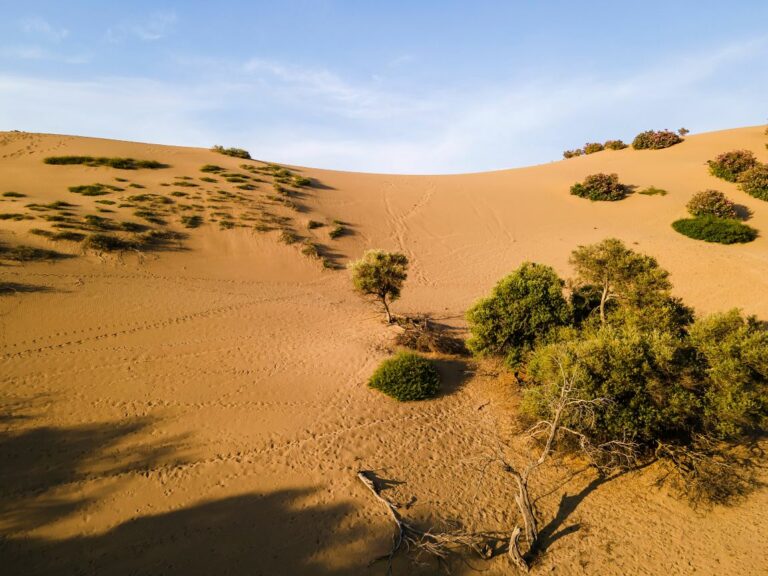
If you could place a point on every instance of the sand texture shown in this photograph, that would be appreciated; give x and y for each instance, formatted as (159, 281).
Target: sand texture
(201, 408)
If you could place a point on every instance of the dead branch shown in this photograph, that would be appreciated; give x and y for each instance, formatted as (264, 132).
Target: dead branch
(438, 545)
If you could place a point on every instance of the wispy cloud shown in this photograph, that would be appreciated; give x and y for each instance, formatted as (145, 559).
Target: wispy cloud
(312, 116)
(156, 27)
(39, 53)
(39, 27)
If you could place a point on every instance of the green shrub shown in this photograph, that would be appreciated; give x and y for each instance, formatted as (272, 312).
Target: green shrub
(592, 147)
(89, 190)
(235, 152)
(711, 203)
(653, 191)
(573, 153)
(615, 145)
(149, 216)
(406, 376)
(683, 131)
(14, 195)
(655, 140)
(119, 163)
(337, 231)
(310, 249)
(523, 307)
(601, 187)
(213, 168)
(755, 181)
(312, 224)
(713, 229)
(15, 216)
(730, 165)
(302, 181)
(288, 237)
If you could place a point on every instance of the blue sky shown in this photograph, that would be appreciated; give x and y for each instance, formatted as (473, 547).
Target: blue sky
(397, 86)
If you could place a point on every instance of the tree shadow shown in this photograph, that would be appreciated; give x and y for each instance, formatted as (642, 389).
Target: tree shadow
(248, 535)
(39, 465)
(453, 374)
(743, 212)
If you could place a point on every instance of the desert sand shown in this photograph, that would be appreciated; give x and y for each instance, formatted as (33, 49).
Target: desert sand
(204, 409)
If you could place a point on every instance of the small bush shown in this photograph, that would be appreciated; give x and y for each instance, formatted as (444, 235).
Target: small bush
(89, 190)
(212, 168)
(337, 231)
(235, 152)
(711, 203)
(653, 191)
(14, 195)
(312, 224)
(149, 216)
(602, 187)
(301, 181)
(208, 179)
(573, 153)
(615, 145)
(192, 221)
(407, 376)
(28, 254)
(683, 131)
(68, 236)
(310, 249)
(119, 163)
(730, 165)
(592, 147)
(755, 181)
(713, 229)
(655, 140)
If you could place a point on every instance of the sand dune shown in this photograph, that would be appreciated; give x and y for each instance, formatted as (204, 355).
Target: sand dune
(202, 408)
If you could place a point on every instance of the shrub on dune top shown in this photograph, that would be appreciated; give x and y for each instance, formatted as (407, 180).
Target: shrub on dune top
(730, 165)
(755, 181)
(406, 376)
(573, 153)
(603, 187)
(234, 152)
(711, 203)
(713, 229)
(615, 145)
(592, 147)
(655, 140)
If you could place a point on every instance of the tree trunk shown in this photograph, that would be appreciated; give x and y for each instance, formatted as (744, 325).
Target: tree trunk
(523, 501)
(603, 300)
(386, 309)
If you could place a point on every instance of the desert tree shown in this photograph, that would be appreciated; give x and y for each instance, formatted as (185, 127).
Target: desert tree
(617, 273)
(380, 275)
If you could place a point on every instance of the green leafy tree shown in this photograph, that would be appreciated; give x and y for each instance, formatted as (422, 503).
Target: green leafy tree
(380, 275)
(617, 273)
(523, 307)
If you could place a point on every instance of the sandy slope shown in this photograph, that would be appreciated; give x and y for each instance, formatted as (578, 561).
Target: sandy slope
(204, 411)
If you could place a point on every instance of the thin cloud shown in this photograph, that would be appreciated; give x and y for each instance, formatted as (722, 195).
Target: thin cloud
(156, 27)
(40, 27)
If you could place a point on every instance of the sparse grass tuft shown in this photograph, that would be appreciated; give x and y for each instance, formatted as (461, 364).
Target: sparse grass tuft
(337, 231)
(15, 216)
(194, 221)
(288, 237)
(14, 195)
(312, 224)
(119, 163)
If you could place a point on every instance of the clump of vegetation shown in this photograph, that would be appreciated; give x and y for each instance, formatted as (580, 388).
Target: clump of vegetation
(711, 203)
(28, 254)
(755, 181)
(310, 249)
(226, 224)
(67, 235)
(194, 221)
(119, 163)
(288, 237)
(301, 181)
(380, 275)
(652, 191)
(523, 307)
(615, 145)
(655, 140)
(312, 224)
(208, 179)
(14, 195)
(643, 381)
(149, 216)
(573, 153)
(94, 189)
(212, 168)
(405, 377)
(601, 187)
(15, 216)
(683, 131)
(108, 243)
(235, 152)
(730, 165)
(592, 147)
(713, 229)
(337, 231)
